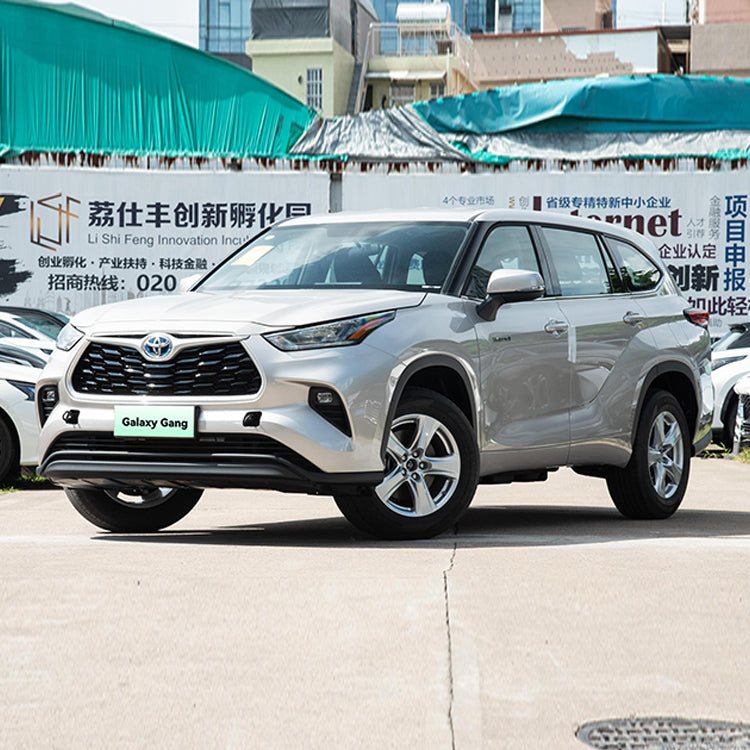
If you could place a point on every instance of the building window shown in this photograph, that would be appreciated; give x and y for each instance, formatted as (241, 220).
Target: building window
(402, 93)
(224, 25)
(314, 90)
(437, 90)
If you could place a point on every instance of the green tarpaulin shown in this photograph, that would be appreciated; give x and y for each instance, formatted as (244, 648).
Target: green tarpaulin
(622, 104)
(76, 81)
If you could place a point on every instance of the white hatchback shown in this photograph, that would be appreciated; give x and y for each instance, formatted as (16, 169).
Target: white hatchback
(19, 429)
(730, 358)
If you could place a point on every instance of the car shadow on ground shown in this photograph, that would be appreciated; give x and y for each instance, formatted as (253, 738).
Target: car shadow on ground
(502, 526)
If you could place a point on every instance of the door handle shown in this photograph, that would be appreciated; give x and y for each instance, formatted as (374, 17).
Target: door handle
(633, 318)
(556, 327)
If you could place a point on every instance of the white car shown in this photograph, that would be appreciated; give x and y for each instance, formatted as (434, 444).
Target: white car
(19, 429)
(15, 331)
(44, 321)
(730, 358)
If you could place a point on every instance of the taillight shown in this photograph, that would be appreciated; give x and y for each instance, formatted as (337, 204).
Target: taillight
(696, 316)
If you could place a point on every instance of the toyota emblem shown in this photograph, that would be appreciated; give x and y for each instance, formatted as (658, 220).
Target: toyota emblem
(157, 346)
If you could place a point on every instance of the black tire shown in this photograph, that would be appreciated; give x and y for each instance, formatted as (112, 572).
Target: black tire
(653, 483)
(730, 418)
(440, 480)
(127, 512)
(9, 452)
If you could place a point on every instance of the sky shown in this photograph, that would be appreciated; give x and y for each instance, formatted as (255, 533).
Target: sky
(178, 19)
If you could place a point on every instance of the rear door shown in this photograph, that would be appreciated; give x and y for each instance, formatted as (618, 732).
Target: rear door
(608, 344)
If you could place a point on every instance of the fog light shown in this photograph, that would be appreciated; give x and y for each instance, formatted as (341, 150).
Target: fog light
(48, 395)
(251, 419)
(328, 404)
(47, 400)
(324, 398)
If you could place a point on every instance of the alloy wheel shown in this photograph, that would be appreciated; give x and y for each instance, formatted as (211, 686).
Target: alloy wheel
(666, 456)
(423, 466)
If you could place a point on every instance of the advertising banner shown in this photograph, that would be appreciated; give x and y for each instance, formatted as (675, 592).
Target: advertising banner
(698, 221)
(74, 238)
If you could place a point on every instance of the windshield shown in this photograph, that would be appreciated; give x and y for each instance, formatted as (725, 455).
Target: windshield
(737, 338)
(377, 255)
(41, 323)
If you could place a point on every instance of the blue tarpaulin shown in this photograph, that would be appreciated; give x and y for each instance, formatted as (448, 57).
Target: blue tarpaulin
(653, 103)
(77, 81)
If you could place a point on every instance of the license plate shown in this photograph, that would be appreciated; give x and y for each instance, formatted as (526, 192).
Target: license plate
(155, 421)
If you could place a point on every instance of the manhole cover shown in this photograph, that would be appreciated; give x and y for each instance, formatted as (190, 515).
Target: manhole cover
(665, 734)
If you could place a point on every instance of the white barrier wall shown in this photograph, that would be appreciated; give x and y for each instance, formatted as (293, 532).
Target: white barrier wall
(73, 238)
(698, 221)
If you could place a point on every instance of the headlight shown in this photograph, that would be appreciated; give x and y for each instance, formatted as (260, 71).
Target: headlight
(26, 388)
(336, 333)
(716, 364)
(68, 337)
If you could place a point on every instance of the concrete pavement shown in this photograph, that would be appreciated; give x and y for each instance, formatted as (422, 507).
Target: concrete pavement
(265, 620)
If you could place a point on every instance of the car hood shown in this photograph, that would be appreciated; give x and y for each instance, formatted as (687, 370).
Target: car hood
(241, 312)
(730, 354)
(30, 345)
(23, 373)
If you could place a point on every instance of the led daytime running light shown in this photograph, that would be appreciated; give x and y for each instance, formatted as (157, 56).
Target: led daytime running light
(347, 332)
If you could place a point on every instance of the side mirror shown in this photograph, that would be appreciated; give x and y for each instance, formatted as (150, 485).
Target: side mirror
(508, 285)
(187, 282)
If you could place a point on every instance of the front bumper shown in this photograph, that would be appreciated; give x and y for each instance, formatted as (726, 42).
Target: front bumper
(255, 472)
(291, 446)
(99, 459)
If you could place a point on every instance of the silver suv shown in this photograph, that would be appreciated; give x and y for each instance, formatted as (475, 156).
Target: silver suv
(392, 361)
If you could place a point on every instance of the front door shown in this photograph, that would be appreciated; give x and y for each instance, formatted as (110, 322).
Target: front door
(523, 364)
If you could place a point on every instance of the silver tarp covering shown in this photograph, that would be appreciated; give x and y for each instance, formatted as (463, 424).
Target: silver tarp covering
(400, 134)
(397, 134)
(724, 144)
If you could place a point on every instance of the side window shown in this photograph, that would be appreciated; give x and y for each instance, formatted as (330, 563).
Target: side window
(10, 331)
(578, 262)
(617, 284)
(639, 272)
(506, 246)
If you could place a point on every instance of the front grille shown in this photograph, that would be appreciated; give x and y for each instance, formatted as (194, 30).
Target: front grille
(206, 370)
(229, 448)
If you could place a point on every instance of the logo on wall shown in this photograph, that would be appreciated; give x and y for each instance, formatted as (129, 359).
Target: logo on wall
(47, 220)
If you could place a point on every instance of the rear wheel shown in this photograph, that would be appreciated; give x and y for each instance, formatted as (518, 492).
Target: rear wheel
(431, 472)
(653, 483)
(134, 511)
(8, 452)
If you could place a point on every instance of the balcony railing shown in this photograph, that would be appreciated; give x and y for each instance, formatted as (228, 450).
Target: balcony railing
(419, 40)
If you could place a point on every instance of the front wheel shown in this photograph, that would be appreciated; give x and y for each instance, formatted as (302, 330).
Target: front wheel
(730, 420)
(653, 483)
(134, 511)
(431, 472)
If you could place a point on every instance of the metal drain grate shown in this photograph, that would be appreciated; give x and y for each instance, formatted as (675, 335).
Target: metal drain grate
(665, 734)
